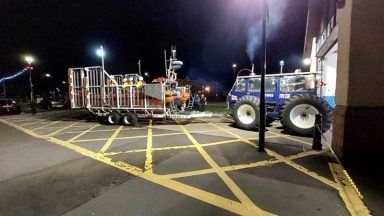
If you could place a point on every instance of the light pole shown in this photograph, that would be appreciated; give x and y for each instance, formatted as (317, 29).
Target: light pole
(29, 60)
(281, 66)
(263, 72)
(234, 66)
(100, 52)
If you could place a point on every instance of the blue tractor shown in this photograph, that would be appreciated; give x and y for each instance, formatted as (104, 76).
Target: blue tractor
(291, 98)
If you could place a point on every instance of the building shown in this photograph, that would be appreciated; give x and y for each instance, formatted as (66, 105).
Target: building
(321, 44)
(345, 40)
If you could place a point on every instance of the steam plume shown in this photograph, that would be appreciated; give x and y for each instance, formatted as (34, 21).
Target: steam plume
(276, 16)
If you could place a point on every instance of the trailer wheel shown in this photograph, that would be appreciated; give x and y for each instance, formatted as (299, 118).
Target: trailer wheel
(246, 113)
(298, 114)
(113, 118)
(129, 119)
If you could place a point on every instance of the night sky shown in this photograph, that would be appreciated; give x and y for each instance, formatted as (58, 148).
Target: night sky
(210, 35)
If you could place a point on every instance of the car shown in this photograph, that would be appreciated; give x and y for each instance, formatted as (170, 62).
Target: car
(9, 106)
(52, 103)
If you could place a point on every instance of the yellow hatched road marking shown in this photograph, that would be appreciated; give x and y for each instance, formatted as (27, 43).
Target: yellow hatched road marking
(62, 129)
(110, 140)
(291, 138)
(349, 195)
(82, 133)
(282, 158)
(248, 204)
(210, 198)
(239, 166)
(148, 160)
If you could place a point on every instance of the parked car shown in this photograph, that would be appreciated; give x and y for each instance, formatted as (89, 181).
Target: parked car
(9, 106)
(52, 103)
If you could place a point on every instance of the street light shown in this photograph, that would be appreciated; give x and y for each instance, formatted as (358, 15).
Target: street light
(281, 65)
(47, 75)
(29, 59)
(100, 52)
(146, 74)
(234, 66)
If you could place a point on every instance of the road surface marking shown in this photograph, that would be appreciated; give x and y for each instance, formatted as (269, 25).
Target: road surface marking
(110, 140)
(347, 191)
(227, 180)
(82, 133)
(148, 155)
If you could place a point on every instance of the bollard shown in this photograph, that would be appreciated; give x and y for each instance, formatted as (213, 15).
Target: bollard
(316, 143)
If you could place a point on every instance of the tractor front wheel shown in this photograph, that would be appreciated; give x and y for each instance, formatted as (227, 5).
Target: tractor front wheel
(298, 114)
(246, 113)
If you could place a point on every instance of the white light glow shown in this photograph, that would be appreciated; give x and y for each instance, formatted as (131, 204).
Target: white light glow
(100, 52)
(29, 59)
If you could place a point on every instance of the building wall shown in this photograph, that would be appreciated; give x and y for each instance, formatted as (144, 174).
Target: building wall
(358, 118)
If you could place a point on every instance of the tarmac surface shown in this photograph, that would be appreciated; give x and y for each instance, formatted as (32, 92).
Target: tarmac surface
(66, 163)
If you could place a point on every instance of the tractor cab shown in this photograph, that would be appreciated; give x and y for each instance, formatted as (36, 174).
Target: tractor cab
(280, 89)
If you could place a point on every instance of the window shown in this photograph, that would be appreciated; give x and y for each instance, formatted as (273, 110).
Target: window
(254, 84)
(240, 85)
(297, 83)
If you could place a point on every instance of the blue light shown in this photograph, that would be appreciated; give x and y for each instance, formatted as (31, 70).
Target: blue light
(13, 76)
(281, 63)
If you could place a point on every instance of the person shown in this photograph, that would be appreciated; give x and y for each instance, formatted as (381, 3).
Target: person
(203, 103)
(196, 102)
(125, 83)
(140, 82)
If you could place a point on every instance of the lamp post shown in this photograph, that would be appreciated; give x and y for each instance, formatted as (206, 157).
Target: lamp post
(281, 66)
(100, 52)
(29, 60)
(234, 66)
(262, 80)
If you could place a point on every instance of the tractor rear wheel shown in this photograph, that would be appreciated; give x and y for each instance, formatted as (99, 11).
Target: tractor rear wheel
(246, 113)
(298, 114)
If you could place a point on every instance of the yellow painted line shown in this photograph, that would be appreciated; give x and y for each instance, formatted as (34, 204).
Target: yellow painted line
(291, 138)
(148, 155)
(248, 204)
(127, 167)
(35, 122)
(82, 133)
(110, 140)
(213, 199)
(285, 160)
(136, 137)
(62, 129)
(43, 126)
(240, 166)
(353, 202)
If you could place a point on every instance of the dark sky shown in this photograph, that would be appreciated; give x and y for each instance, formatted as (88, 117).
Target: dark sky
(210, 35)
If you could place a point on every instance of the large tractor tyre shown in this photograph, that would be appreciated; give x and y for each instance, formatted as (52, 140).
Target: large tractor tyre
(298, 114)
(246, 113)
(129, 119)
(113, 118)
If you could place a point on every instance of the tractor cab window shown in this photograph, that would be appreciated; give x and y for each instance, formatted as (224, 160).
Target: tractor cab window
(240, 85)
(254, 84)
(297, 83)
